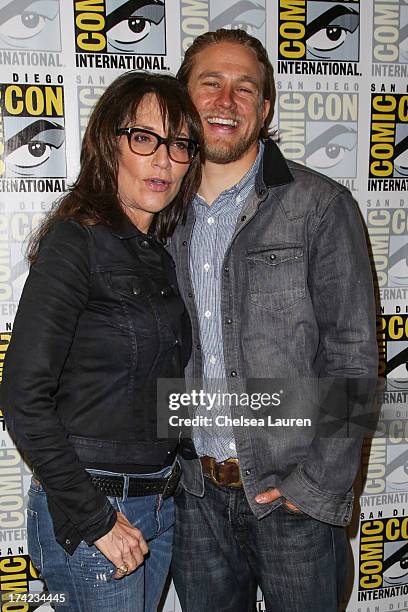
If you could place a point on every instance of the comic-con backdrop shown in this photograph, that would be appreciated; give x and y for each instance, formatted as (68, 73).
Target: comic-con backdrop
(342, 108)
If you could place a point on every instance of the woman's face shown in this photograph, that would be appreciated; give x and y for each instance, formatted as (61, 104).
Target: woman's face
(147, 184)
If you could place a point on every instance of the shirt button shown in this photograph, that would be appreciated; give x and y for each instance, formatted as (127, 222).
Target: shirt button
(198, 347)
(232, 446)
(243, 218)
(226, 269)
(233, 373)
(213, 359)
(190, 295)
(228, 321)
(207, 314)
(247, 472)
(272, 256)
(185, 242)
(210, 220)
(206, 267)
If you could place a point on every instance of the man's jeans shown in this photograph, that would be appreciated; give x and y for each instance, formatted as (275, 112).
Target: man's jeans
(221, 552)
(86, 576)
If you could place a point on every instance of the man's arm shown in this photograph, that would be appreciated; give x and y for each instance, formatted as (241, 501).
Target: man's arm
(341, 287)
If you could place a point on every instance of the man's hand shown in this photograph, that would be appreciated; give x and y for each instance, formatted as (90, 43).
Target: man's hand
(266, 497)
(123, 545)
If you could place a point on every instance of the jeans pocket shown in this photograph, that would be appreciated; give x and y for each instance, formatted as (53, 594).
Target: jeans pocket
(33, 540)
(91, 565)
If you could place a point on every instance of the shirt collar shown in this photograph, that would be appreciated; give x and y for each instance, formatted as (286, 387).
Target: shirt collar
(244, 182)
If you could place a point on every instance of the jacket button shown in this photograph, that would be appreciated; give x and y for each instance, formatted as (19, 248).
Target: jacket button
(233, 373)
(228, 321)
(272, 256)
(67, 542)
(247, 472)
(185, 242)
(136, 290)
(145, 244)
(177, 342)
(190, 295)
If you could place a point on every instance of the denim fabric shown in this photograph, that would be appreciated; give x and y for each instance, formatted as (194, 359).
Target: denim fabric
(221, 551)
(100, 320)
(86, 576)
(297, 304)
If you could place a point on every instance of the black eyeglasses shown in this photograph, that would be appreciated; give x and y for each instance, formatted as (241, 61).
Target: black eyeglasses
(145, 142)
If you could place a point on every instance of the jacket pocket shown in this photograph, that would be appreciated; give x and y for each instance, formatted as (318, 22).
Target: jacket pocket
(134, 293)
(276, 275)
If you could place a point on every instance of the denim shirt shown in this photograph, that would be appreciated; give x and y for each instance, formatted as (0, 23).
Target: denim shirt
(297, 304)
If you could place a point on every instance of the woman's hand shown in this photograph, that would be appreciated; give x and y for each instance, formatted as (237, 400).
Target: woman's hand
(123, 545)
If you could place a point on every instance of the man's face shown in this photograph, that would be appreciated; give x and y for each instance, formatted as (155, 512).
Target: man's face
(226, 86)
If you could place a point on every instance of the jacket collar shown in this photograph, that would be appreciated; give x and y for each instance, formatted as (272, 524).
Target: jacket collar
(123, 228)
(274, 170)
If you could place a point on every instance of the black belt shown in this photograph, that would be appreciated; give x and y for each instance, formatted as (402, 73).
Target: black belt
(114, 485)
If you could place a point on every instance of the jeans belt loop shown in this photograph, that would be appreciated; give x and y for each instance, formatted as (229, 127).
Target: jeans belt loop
(125, 486)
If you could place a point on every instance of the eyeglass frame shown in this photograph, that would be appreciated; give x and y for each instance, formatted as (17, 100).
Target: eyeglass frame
(128, 131)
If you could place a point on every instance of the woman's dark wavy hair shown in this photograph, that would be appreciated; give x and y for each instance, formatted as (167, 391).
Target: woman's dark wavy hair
(239, 37)
(93, 198)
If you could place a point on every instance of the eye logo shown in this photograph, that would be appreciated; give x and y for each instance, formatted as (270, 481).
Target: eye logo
(244, 15)
(388, 230)
(135, 26)
(392, 336)
(33, 131)
(30, 24)
(35, 150)
(320, 130)
(122, 27)
(319, 30)
(396, 473)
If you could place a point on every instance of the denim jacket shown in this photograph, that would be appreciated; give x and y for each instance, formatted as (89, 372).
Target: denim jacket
(99, 321)
(297, 304)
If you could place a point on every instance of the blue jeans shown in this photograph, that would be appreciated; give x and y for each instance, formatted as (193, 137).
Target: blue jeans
(222, 552)
(86, 576)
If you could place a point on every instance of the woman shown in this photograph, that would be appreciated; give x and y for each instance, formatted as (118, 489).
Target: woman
(99, 321)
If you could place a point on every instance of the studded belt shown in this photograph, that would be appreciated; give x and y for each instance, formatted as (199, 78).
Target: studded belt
(114, 485)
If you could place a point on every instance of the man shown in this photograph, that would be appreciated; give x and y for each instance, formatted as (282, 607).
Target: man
(273, 266)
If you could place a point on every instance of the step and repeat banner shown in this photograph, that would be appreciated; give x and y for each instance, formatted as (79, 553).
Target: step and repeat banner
(342, 108)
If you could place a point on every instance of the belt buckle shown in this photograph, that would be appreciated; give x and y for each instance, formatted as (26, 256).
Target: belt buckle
(212, 475)
(237, 483)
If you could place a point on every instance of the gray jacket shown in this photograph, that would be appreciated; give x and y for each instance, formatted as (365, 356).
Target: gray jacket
(298, 310)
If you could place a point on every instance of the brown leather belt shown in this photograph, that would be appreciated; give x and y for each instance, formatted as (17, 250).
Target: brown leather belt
(225, 473)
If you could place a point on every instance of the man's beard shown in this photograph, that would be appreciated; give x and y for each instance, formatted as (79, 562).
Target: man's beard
(222, 153)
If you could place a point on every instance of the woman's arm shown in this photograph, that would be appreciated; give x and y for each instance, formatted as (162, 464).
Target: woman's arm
(54, 296)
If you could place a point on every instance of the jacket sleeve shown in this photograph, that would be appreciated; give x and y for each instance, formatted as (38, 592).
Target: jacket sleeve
(55, 294)
(346, 363)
